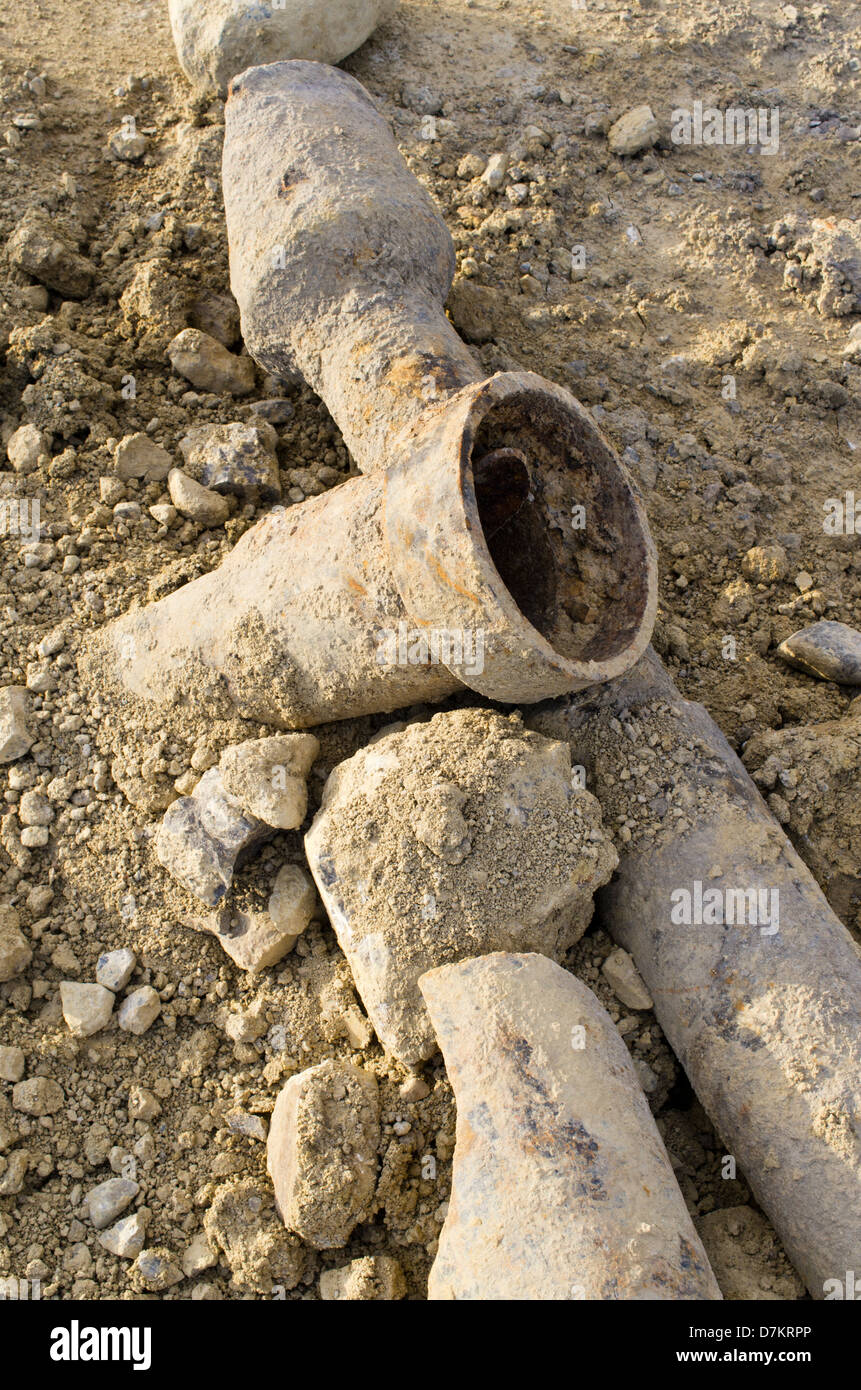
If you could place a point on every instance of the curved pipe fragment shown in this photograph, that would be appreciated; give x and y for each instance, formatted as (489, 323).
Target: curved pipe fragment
(756, 982)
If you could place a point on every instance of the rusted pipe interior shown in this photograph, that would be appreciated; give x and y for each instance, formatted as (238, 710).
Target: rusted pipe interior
(578, 577)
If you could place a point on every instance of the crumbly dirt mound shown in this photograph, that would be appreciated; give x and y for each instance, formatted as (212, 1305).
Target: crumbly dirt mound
(684, 294)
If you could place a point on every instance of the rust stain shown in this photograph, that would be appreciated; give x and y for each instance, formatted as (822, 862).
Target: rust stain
(435, 564)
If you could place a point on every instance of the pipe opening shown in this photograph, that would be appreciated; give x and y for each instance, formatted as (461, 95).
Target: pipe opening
(561, 525)
(514, 532)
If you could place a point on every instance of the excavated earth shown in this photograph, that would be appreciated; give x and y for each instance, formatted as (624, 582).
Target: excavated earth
(698, 319)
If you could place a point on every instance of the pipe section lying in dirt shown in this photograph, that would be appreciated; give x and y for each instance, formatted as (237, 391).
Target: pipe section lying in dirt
(496, 542)
(561, 1186)
(756, 982)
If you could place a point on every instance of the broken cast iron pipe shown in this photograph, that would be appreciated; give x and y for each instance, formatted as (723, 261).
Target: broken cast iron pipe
(764, 1014)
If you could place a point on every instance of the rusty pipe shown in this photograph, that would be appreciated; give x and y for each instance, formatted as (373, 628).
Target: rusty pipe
(760, 994)
(465, 529)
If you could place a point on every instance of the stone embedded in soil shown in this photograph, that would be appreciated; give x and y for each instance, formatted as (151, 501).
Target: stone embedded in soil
(137, 456)
(448, 839)
(635, 131)
(11, 1063)
(208, 365)
(15, 951)
(561, 1184)
(114, 969)
(216, 41)
(268, 776)
(198, 1256)
(293, 901)
(157, 1270)
(127, 145)
(139, 1010)
(242, 1223)
(625, 980)
(15, 737)
(108, 1199)
(322, 1152)
(126, 1238)
(377, 1278)
(203, 838)
(746, 1256)
(86, 1008)
(829, 650)
(39, 249)
(27, 448)
(236, 458)
(38, 1095)
(195, 502)
(253, 940)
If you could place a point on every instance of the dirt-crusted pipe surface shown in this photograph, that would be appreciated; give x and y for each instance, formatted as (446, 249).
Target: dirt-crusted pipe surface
(756, 982)
(562, 1188)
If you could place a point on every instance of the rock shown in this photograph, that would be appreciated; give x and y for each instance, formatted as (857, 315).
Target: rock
(322, 1152)
(136, 456)
(14, 1173)
(86, 1008)
(114, 969)
(198, 1256)
(747, 1257)
(561, 1186)
(157, 1270)
(251, 939)
(829, 650)
(35, 809)
(377, 1278)
(108, 1199)
(155, 306)
(34, 837)
(208, 365)
(243, 1224)
(11, 1063)
(15, 952)
(127, 145)
(204, 837)
(236, 458)
(40, 250)
(249, 1126)
(39, 1095)
(27, 448)
(636, 130)
(293, 901)
(126, 1238)
(143, 1105)
(139, 1010)
(197, 503)
(765, 564)
(217, 315)
(495, 171)
(413, 1089)
(215, 42)
(625, 980)
(15, 737)
(431, 845)
(267, 777)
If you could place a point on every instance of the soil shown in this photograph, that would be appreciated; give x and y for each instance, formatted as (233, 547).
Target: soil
(707, 334)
